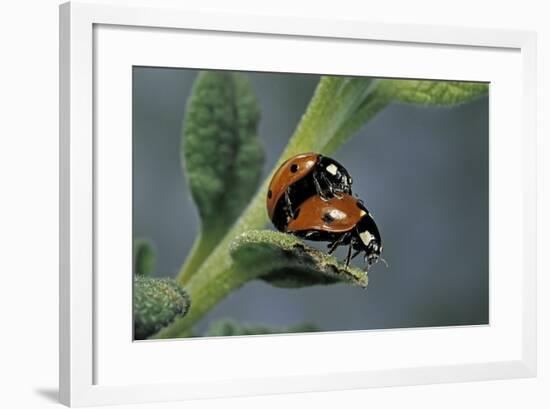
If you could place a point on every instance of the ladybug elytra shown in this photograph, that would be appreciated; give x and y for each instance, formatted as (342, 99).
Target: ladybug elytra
(340, 221)
(301, 177)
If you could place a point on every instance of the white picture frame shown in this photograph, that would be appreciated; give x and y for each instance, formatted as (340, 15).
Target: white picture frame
(82, 349)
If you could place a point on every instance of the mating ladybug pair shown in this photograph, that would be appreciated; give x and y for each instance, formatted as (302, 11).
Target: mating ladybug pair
(310, 196)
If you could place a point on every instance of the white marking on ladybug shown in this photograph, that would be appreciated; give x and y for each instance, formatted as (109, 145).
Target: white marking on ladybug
(337, 214)
(366, 237)
(332, 169)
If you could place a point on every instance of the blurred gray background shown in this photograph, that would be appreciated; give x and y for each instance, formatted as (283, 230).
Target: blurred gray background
(423, 172)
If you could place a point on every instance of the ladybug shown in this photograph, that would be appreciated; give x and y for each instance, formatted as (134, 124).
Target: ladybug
(340, 221)
(299, 178)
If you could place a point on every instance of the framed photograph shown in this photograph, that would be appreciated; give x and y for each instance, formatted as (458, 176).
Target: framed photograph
(256, 204)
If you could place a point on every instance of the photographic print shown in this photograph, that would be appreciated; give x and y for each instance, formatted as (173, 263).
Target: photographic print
(274, 203)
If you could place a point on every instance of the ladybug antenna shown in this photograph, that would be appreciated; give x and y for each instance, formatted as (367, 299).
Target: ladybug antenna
(375, 260)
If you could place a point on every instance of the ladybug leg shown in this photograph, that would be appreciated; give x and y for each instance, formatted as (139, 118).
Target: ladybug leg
(289, 205)
(318, 189)
(348, 258)
(334, 245)
(319, 179)
(330, 187)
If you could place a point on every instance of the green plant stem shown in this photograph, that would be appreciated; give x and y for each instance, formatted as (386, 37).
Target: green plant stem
(202, 247)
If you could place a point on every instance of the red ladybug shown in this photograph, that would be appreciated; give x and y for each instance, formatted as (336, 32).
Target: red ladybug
(340, 221)
(301, 177)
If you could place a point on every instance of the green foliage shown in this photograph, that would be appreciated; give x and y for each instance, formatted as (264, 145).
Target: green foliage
(228, 327)
(157, 302)
(337, 102)
(286, 261)
(221, 154)
(230, 252)
(144, 257)
(383, 92)
(438, 93)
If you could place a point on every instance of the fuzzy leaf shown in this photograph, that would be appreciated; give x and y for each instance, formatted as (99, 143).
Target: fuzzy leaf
(383, 92)
(221, 154)
(144, 257)
(439, 93)
(228, 327)
(157, 302)
(286, 261)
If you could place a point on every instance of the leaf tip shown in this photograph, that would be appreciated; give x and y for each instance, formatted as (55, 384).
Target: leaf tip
(284, 260)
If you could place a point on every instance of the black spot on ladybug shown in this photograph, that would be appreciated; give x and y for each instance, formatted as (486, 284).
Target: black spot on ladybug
(294, 168)
(269, 194)
(327, 218)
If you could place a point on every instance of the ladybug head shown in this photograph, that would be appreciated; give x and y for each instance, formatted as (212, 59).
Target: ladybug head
(333, 174)
(370, 239)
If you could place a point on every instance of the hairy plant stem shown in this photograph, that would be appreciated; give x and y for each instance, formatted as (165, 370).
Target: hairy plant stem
(202, 247)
